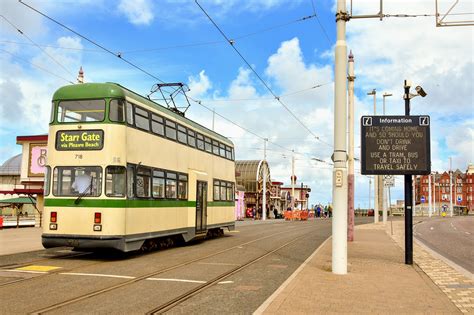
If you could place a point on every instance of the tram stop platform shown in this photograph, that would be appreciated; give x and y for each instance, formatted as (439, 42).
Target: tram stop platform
(377, 282)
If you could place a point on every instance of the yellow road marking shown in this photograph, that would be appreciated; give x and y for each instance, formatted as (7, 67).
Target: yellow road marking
(38, 268)
(234, 231)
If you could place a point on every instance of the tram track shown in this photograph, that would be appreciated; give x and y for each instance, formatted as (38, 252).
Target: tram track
(185, 296)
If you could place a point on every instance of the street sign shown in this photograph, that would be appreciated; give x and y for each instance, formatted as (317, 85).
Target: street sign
(459, 198)
(395, 145)
(389, 181)
(422, 199)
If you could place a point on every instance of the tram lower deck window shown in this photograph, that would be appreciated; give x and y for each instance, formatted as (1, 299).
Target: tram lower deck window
(77, 180)
(115, 178)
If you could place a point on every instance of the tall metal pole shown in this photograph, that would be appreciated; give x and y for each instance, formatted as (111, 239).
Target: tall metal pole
(376, 177)
(370, 190)
(434, 197)
(293, 181)
(450, 187)
(339, 193)
(408, 194)
(430, 208)
(413, 178)
(213, 117)
(384, 205)
(350, 180)
(264, 166)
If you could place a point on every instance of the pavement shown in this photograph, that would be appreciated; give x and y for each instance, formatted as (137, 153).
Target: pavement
(378, 281)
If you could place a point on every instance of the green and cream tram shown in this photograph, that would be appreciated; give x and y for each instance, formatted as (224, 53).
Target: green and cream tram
(124, 171)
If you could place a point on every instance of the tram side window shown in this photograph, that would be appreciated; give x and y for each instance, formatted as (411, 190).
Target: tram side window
(51, 118)
(143, 184)
(191, 138)
(222, 150)
(230, 192)
(215, 147)
(182, 137)
(223, 190)
(170, 129)
(129, 114)
(158, 184)
(157, 125)
(217, 185)
(207, 144)
(77, 180)
(115, 177)
(200, 141)
(170, 185)
(228, 153)
(47, 180)
(130, 181)
(141, 119)
(182, 186)
(117, 110)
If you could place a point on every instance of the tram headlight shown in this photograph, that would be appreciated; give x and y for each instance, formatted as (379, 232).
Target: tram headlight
(53, 226)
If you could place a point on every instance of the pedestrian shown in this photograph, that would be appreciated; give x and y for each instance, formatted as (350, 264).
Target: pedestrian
(275, 213)
(253, 213)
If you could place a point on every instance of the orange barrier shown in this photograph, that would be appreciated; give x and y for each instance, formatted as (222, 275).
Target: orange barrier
(297, 215)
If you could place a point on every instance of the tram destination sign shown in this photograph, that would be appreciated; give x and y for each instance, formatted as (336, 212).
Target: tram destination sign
(395, 145)
(79, 140)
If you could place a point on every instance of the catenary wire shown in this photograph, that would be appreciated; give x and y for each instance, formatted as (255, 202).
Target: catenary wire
(260, 78)
(319, 22)
(39, 47)
(118, 55)
(39, 67)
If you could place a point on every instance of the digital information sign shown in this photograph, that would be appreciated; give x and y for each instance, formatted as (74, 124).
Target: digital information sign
(77, 140)
(395, 145)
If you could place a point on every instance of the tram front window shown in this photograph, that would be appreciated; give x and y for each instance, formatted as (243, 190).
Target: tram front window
(77, 180)
(81, 111)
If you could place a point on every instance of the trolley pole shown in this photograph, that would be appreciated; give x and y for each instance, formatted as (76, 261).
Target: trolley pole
(408, 195)
(340, 189)
(350, 180)
(264, 197)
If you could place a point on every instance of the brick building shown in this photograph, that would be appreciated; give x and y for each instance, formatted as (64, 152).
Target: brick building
(462, 190)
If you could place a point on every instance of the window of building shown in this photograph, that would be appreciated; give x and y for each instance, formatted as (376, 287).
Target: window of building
(191, 138)
(141, 119)
(170, 129)
(143, 182)
(171, 191)
(157, 125)
(182, 186)
(158, 184)
(117, 110)
(115, 179)
(182, 136)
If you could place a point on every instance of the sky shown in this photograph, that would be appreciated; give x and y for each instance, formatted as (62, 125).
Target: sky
(290, 46)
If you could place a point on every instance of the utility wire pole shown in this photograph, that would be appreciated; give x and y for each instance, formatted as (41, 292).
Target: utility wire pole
(351, 77)
(339, 193)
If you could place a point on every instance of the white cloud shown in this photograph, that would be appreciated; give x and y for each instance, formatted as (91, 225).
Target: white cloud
(199, 85)
(138, 12)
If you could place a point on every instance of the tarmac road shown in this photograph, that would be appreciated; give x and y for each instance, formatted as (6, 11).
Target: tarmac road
(452, 238)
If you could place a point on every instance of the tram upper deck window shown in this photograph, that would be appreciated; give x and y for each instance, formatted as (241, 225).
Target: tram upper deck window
(207, 144)
(115, 178)
(215, 147)
(182, 137)
(51, 118)
(141, 119)
(77, 180)
(129, 114)
(170, 129)
(157, 125)
(200, 141)
(117, 110)
(81, 111)
(191, 138)
(222, 150)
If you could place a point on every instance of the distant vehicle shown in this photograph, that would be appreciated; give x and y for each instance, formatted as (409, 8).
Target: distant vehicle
(124, 171)
(370, 213)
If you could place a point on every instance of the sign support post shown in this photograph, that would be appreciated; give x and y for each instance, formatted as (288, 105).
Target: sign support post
(408, 195)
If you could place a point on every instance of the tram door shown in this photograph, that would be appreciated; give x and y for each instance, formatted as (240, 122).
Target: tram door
(201, 206)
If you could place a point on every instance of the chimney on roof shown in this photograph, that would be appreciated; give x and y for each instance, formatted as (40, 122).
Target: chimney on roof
(80, 76)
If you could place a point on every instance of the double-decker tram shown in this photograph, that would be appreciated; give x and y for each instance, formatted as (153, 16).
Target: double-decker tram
(124, 172)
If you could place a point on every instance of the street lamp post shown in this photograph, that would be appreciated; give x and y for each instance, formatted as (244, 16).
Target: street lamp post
(376, 177)
(384, 206)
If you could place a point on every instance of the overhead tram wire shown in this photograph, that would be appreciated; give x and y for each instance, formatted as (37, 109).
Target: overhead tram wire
(231, 42)
(39, 47)
(319, 22)
(39, 67)
(118, 55)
